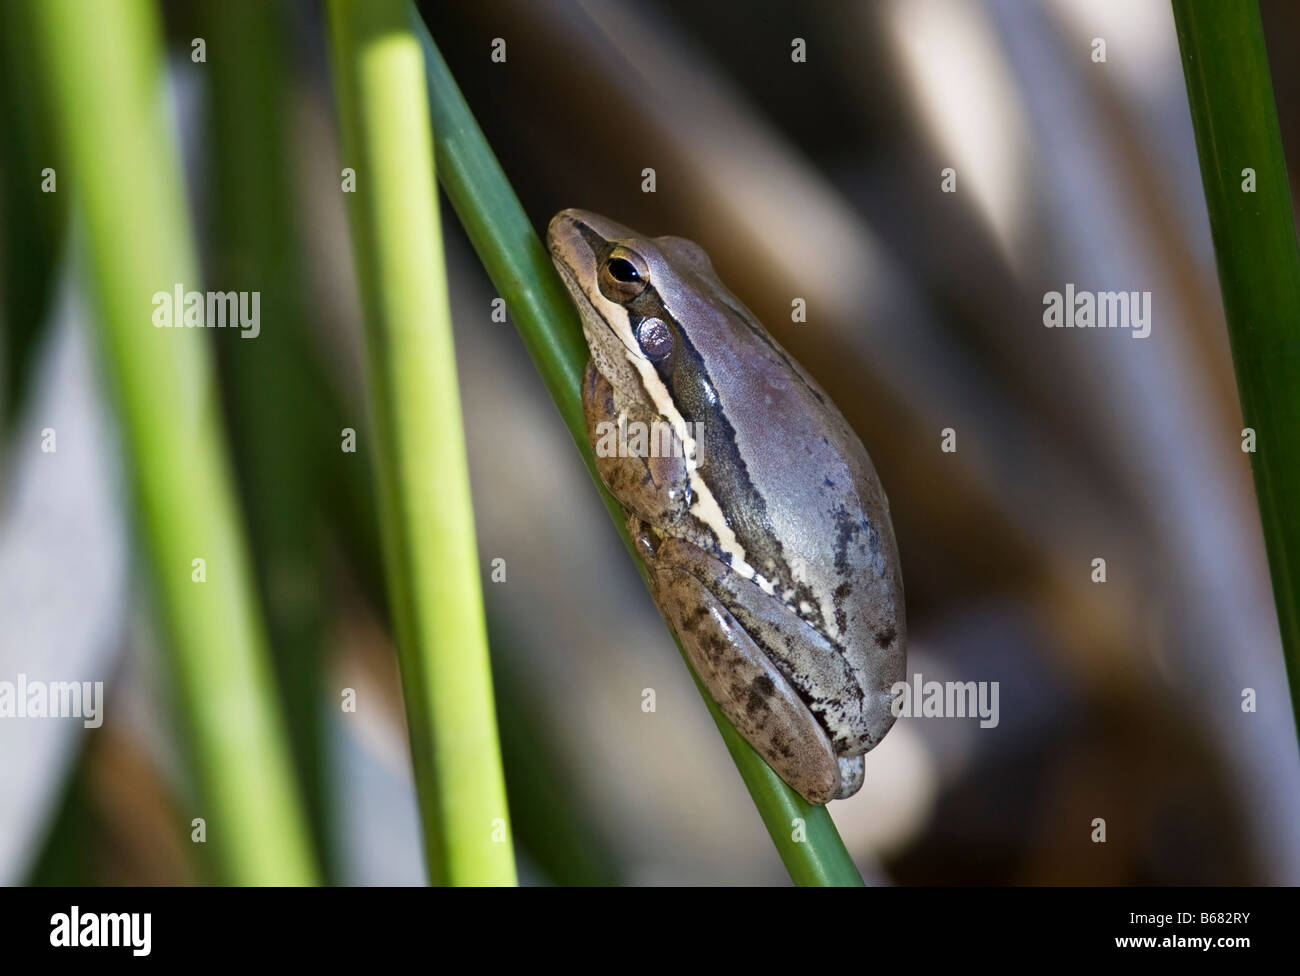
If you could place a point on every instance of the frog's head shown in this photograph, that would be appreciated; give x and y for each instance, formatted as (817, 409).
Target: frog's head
(626, 286)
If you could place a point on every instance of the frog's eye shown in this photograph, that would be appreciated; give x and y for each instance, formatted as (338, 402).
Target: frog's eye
(623, 276)
(655, 339)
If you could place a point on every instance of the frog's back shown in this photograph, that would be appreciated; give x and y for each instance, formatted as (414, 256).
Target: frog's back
(807, 480)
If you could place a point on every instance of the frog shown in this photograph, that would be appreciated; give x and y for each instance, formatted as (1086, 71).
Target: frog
(765, 533)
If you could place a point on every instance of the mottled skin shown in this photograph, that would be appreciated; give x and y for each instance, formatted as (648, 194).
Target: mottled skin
(773, 558)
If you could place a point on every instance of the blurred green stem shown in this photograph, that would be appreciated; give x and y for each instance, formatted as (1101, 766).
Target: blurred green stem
(104, 68)
(1252, 222)
(521, 270)
(426, 517)
(277, 400)
(33, 224)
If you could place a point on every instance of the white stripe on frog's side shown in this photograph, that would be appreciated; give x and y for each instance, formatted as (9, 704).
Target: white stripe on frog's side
(706, 507)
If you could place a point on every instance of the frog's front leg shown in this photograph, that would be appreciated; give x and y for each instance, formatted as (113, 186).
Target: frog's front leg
(655, 488)
(762, 705)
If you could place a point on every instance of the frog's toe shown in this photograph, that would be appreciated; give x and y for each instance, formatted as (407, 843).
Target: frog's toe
(851, 775)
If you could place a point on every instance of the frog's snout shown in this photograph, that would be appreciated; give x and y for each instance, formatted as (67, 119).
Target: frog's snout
(561, 228)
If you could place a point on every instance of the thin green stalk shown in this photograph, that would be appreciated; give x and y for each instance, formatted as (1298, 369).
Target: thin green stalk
(804, 835)
(1251, 220)
(426, 518)
(103, 65)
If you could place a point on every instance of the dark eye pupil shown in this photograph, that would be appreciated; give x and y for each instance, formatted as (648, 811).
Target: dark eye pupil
(620, 269)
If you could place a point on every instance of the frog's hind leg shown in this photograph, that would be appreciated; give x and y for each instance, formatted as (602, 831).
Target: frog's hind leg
(751, 692)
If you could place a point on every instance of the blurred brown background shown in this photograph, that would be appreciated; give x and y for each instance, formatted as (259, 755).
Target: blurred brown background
(820, 179)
